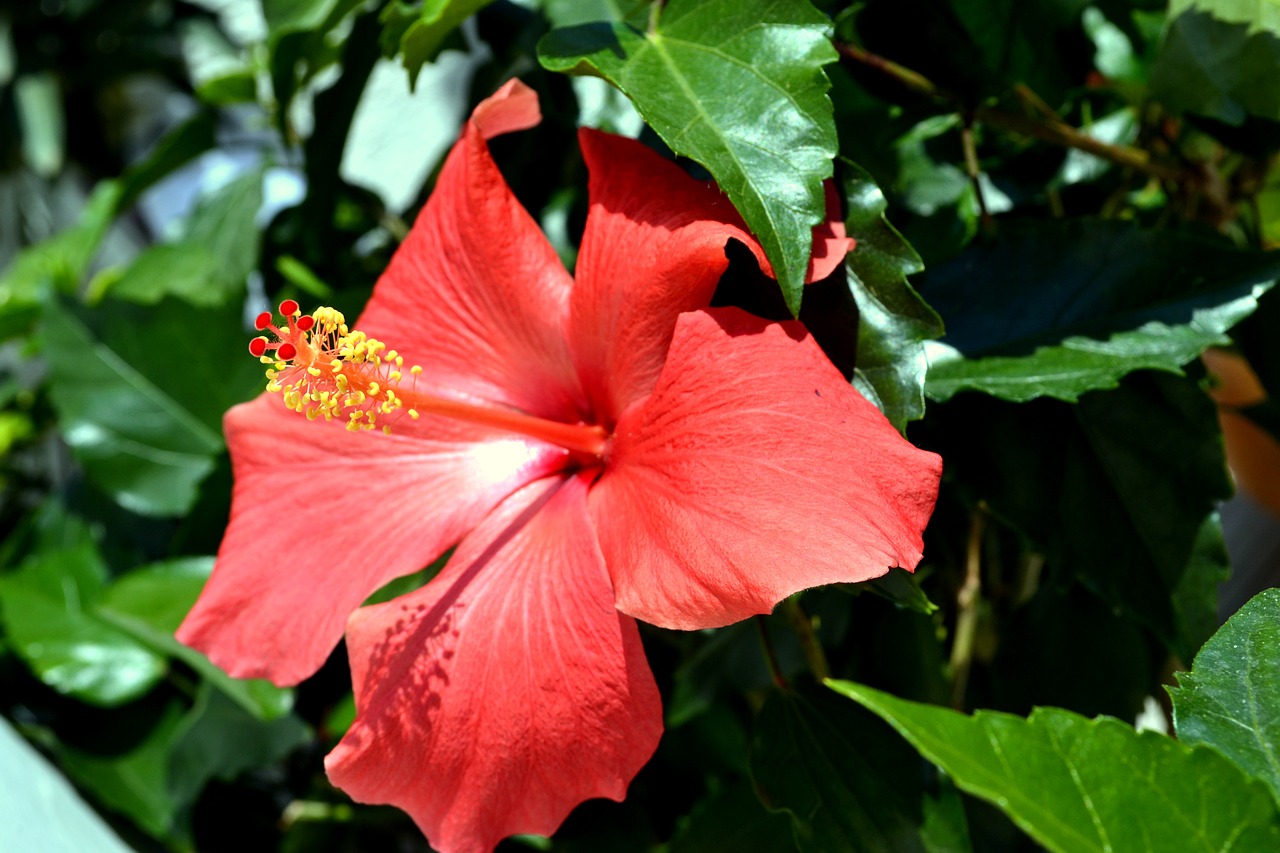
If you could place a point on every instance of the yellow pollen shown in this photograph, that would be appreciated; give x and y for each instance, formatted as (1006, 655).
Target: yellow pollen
(336, 372)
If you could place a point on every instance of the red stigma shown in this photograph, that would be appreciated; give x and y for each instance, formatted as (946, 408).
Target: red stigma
(288, 308)
(305, 323)
(287, 351)
(263, 320)
(257, 346)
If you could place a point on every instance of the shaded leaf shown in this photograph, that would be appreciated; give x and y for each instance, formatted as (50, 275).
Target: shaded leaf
(49, 614)
(1062, 307)
(40, 810)
(224, 226)
(893, 321)
(136, 441)
(732, 820)
(1218, 58)
(845, 785)
(150, 603)
(417, 32)
(1076, 785)
(738, 87)
(1231, 698)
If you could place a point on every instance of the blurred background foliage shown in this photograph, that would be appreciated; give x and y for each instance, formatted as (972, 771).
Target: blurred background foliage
(1080, 193)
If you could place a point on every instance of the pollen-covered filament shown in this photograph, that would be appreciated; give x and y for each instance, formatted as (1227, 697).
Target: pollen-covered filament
(326, 370)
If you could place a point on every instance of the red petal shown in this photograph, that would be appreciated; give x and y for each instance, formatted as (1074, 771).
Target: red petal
(653, 248)
(753, 471)
(830, 239)
(513, 107)
(508, 690)
(322, 517)
(475, 294)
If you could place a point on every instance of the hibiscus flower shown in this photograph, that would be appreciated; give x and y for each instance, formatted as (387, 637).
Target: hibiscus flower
(599, 451)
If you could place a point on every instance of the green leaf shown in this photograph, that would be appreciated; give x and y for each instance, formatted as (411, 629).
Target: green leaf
(1231, 698)
(902, 588)
(419, 32)
(135, 440)
(738, 86)
(845, 785)
(224, 225)
(1077, 785)
(185, 270)
(158, 777)
(150, 603)
(730, 821)
(49, 614)
(1062, 307)
(62, 260)
(40, 810)
(38, 101)
(284, 16)
(1218, 58)
(893, 321)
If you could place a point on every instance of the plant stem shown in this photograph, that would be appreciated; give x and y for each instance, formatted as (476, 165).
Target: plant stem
(967, 601)
(975, 174)
(770, 654)
(814, 656)
(1045, 127)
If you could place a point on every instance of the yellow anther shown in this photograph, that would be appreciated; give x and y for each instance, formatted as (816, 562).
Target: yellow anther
(415, 371)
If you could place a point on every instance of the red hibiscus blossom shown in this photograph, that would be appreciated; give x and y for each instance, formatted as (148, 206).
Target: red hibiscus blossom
(610, 449)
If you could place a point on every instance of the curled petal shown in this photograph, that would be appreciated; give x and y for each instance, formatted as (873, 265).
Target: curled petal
(753, 471)
(652, 248)
(475, 294)
(322, 517)
(508, 690)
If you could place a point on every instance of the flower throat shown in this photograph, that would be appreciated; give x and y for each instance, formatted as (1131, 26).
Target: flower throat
(326, 370)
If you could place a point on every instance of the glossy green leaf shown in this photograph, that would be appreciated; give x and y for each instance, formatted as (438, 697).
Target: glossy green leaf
(738, 87)
(845, 785)
(284, 16)
(40, 810)
(49, 613)
(1062, 307)
(1077, 785)
(142, 424)
(902, 588)
(1218, 58)
(1231, 698)
(893, 321)
(150, 603)
(418, 31)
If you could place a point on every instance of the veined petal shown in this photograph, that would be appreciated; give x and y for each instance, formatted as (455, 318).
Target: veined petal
(752, 472)
(505, 692)
(475, 294)
(652, 249)
(322, 517)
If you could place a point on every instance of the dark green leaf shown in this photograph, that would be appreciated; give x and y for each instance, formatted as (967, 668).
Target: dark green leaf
(1058, 308)
(291, 15)
(738, 86)
(732, 821)
(902, 588)
(39, 810)
(133, 437)
(845, 785)
(893, 321)
(1077, 785)
(419, 31)
(1231, 698)
(49, 614)
(150, 603)
(1218, 58)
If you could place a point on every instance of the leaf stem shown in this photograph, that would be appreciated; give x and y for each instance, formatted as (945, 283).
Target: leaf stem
(975, 174)
(1045, 127)
(810, 647)
(968, 600)
(770, 654)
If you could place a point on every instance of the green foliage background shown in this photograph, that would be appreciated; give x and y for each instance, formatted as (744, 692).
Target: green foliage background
(1059, 205)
